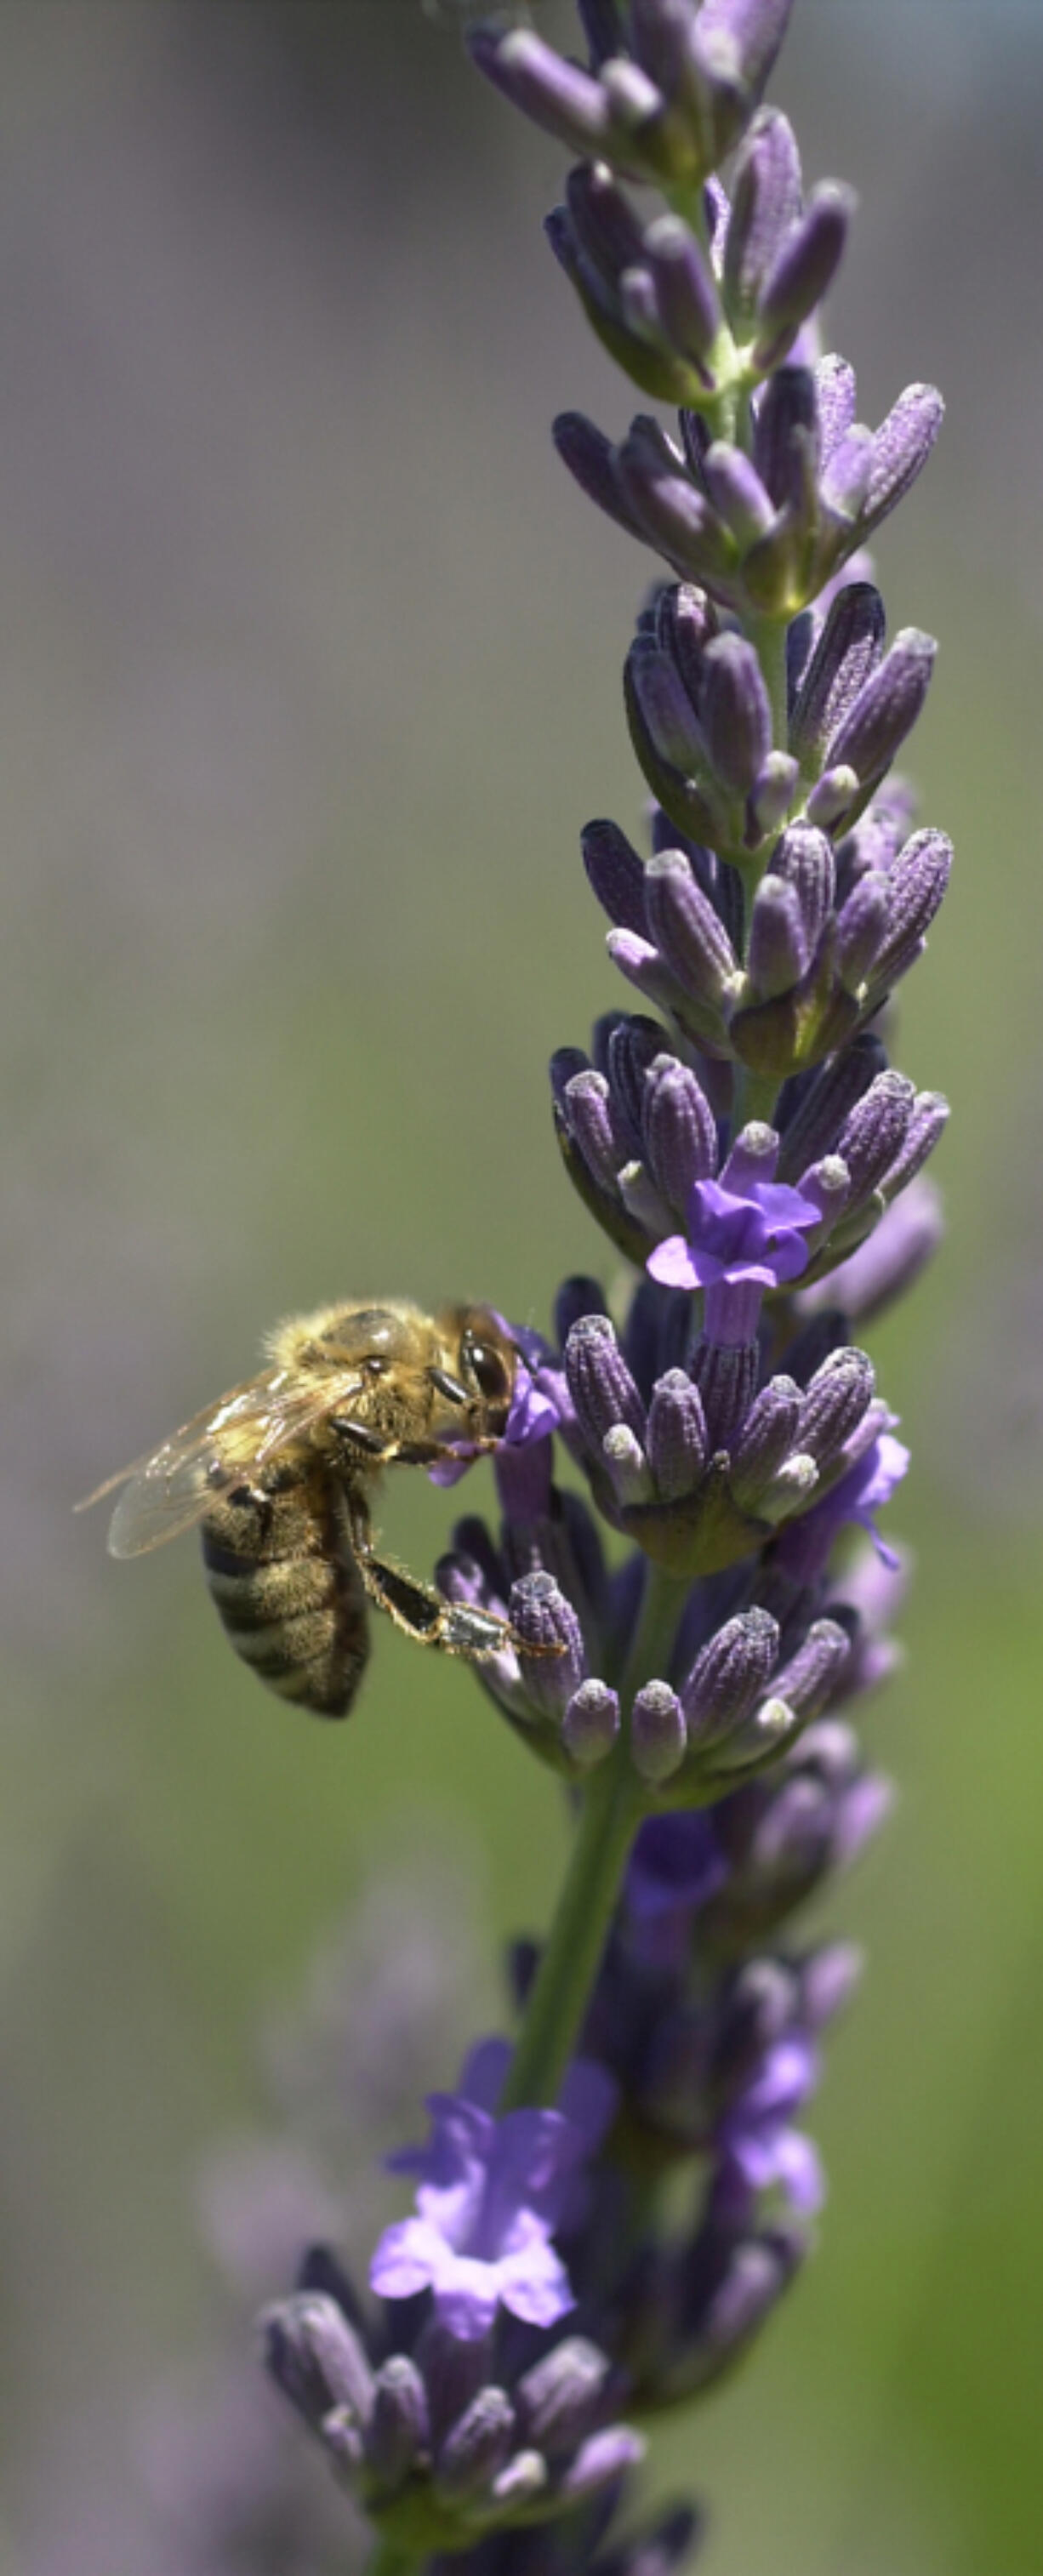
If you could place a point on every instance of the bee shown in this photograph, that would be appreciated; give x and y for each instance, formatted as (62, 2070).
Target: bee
(278, 1477)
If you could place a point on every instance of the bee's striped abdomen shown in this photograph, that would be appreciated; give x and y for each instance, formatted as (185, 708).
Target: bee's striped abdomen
(282, 1572)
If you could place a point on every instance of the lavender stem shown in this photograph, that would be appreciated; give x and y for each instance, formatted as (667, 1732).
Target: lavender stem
(613, 1805)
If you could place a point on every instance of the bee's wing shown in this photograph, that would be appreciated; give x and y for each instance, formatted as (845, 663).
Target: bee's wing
(173, 1488)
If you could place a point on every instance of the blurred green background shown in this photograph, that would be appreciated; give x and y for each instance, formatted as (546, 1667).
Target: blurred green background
(308, 677)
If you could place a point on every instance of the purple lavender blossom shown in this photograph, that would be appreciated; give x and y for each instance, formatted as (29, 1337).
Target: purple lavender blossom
(868, 1485)
(737, 1239)
(490, 2197)
(758, 2138)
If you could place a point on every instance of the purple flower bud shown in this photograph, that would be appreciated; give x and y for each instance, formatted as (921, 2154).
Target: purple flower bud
(737, 493)
(766, 199)
(785, 1834)
(588, 1118)
(804, 1547)
(813, 1126)
(627, 1467)
(835, 397)
(886, 1264)
(478, 2445)
(556, 94)
(771, 795)
(726, 1375)
(803, 272)
(736, 711)
(639, 305)
(804, 859)
(600, 1382)
(590, 1723)
(828, 1186)
(829, 1979)
(786, 424)
(644, 967)
(631, 1046)
(834, 1404)
(671, 514)
(590, 458)
(685, 620)
(902, 444)
(452, 2369)
(677, 1443)
(886, 708)
(732, 2292)
(549, 1642)
(558, 2399)
(686, 292)
(664, 706)
(745, 34)
(635, 101)
(400, 2424)
(767, 1437)
(874, 1133)
(861, 924)
(729, 1676)
(848, 651)
(790, 1489)
(520, 2483)
(753, 1157)
(316, 2357)
(563, 1064)
(916, 883)
(806, 1682)
(659, 31)
(658, 1742)
(777, 955)
(680, 1131)
(875, 840)
(617, 875)
(832, 795)
(844, 481)
(604, 223)
(623, 315)
(928, 1122)
(767, 1731)
(684, 924)
(603, 2459)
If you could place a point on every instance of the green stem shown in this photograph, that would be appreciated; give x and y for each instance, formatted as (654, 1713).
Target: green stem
(768, 636)
(652, 1645)
(614, 1801)
(754, 1096)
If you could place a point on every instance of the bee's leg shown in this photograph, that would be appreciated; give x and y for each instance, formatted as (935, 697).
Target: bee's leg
(456, 1627)
(405, 1453)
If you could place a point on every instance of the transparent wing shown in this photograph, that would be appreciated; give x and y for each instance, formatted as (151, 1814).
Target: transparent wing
(236, 1438)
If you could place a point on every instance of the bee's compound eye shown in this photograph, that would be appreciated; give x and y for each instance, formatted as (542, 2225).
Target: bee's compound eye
(490, 1371)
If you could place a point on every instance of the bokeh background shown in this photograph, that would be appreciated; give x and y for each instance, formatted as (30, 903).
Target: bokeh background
(308, 676)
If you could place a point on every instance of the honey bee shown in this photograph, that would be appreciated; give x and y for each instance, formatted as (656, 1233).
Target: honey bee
(278, 1476)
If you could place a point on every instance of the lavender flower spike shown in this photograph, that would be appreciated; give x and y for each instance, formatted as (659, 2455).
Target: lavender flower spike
(752, 1156)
